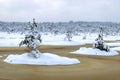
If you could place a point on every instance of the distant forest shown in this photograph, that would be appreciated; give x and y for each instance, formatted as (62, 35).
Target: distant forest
(78, 27)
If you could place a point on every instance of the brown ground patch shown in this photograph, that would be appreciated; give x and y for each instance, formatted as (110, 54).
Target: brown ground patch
(90, 68)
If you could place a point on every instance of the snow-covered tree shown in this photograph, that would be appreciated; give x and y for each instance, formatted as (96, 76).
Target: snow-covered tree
(56, 32)
(84, 36)
(99, 42)
(32, 40)
(68, 35)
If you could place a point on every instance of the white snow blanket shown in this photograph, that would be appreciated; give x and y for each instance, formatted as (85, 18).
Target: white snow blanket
(13, 39)
(116, 48)
(44, 59)
(93, 51)
(112, 38)
(114, 44)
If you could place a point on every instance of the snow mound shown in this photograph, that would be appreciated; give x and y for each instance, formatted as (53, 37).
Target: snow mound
(93, 51)
(44, 59)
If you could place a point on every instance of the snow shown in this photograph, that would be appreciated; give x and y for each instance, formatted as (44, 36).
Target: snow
(10, 39)
(114, 44)
(44, 59)
(93, 51)
(116, 48)
(13, 39)
(112, 38)
(89, 38)
(10, 42)
(58, 40)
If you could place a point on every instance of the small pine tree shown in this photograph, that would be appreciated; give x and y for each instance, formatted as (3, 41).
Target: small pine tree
(99, 42)
(85, 36)
(68, 35)
(31, 40)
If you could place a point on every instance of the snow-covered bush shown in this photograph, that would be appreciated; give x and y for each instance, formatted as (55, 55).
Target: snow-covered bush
(68, 35)
(99, 42)
(32, 40)
(84, 36)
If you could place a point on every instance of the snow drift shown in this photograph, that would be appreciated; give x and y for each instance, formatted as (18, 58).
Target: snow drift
(44, 59)
(94, 51)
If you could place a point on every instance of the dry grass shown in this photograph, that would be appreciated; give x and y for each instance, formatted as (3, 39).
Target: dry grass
(90, 68)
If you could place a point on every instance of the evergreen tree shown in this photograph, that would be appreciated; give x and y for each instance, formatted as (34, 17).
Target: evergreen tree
(68, 35)
(99, 42)
(32, 39)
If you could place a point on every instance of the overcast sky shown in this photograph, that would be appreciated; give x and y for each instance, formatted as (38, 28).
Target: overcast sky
(60, 10)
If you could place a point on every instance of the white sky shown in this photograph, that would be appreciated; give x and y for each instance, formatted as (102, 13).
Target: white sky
(60, 10)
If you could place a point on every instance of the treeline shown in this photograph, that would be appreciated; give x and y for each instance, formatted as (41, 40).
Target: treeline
(78, 27)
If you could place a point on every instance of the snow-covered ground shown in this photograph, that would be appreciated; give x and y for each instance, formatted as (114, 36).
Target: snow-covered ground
(116, 48)
(92, 51)
(44, 59)
(12, 40)
(114, 44)
(15, 38)
(112, 38)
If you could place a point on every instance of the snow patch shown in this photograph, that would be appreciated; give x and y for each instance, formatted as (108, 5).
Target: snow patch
(114, 44)
(44, 59)
(112, 38)
(94, 51)
(13, 40)
(116, 48)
